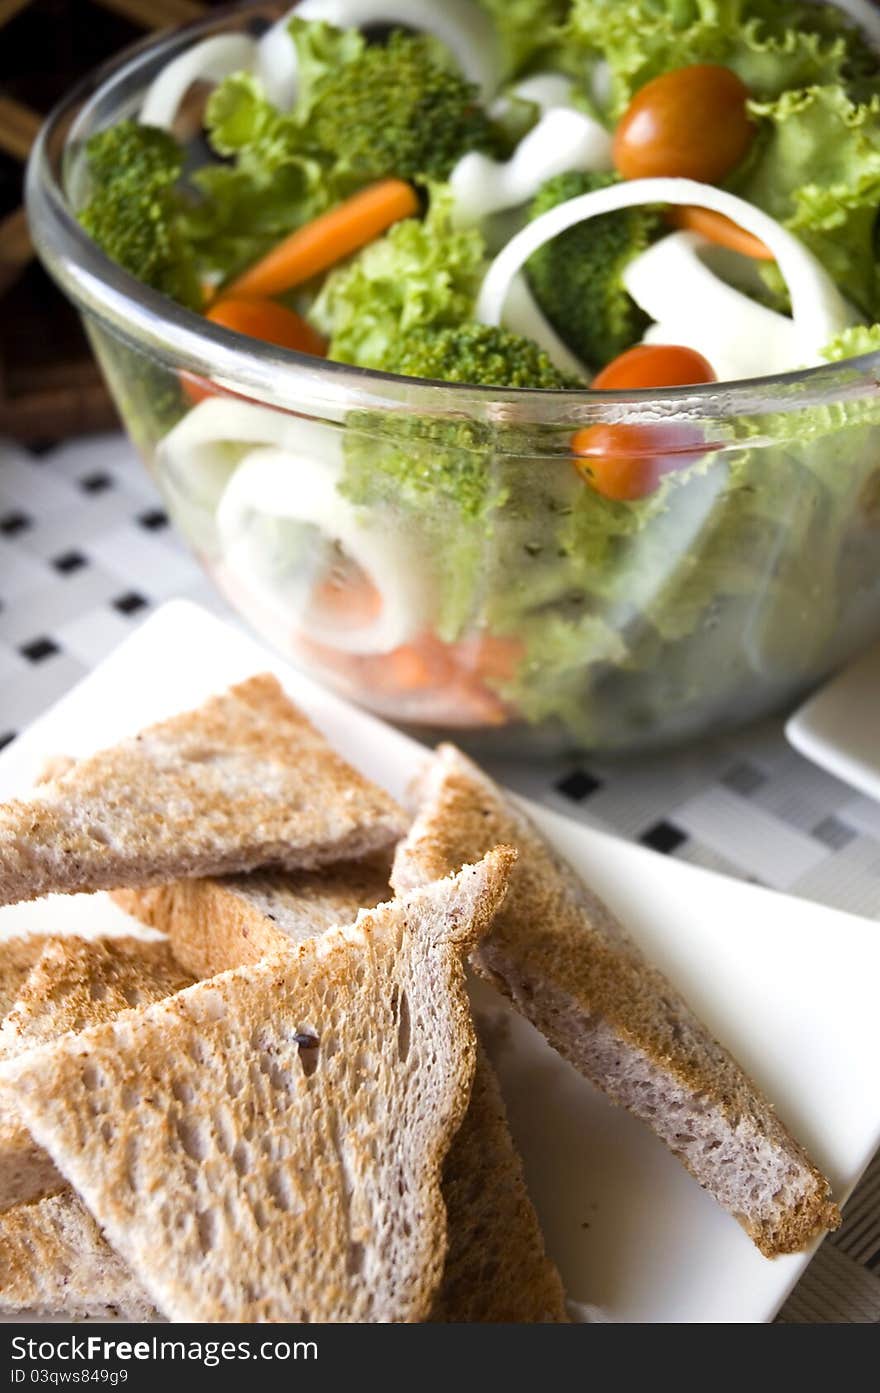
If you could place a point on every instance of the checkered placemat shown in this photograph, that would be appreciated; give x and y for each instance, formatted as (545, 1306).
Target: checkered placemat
(86, 551)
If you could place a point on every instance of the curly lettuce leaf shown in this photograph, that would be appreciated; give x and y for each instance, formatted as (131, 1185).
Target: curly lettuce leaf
(527, 30)
(321, 50)
(816, 169)
(773, 45)
(272, 183)
(853, 342)
(424, 272)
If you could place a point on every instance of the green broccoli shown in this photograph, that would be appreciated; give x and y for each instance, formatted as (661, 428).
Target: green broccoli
(396, 110)
(576, 278)
(478, 354)
(134, 210)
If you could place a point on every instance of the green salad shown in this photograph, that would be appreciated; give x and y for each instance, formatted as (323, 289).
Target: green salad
(561, 196)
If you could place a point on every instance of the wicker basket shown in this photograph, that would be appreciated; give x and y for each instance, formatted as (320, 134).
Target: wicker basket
(50, 386)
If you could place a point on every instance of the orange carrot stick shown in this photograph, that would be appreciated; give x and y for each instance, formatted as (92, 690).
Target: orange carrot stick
(258, 319)
(263, 319)
(329, 238)
(721, 230)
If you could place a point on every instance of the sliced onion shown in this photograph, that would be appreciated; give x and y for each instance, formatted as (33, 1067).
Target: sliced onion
(197, 458)
(461, 25)
(208, 61)
(289, 485)
(543, 90)
(694, 307)
(523, 316)
(818, 309)
(562, 141)
(205, 435)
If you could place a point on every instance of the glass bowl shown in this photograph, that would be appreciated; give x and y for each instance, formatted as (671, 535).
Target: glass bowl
(432, 551)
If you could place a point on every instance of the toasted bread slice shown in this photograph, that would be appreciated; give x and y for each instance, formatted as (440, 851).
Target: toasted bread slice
(77, 982)
(242, 782)
(496, 1268)
(563, 960)
(17, 957)
(74, 982)
(54, 1261)
(267, 1145)
(214, 925)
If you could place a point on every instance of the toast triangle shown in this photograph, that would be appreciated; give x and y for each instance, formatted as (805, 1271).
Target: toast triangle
(567, 965)
(244, 781)
(280, 1130)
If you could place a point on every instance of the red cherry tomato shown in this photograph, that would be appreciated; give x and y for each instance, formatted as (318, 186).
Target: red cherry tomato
(654, 365)
(691, 123)
(628, 462)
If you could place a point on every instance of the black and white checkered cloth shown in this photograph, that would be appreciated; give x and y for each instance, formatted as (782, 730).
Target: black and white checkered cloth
(86, 551)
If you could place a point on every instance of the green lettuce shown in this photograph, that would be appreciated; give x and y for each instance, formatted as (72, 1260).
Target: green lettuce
(273, 181)
(816, 169)
(528, 30)
(422, 273)
(321, 51)
(853, 342)
(774, 45)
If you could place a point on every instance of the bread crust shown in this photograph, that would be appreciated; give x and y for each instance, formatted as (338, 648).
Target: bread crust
(243, 781)
(268, 1144)
(563, 960)
(497, 1269)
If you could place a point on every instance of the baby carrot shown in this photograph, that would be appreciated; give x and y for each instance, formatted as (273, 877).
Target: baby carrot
(328, 238)
(720, 230)
(259, 319)
(263, 319)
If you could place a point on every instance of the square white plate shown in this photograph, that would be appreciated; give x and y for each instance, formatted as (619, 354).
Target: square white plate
(631, 1232)
(839, 727)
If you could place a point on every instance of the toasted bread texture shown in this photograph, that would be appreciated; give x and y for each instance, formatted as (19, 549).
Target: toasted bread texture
(497, 1269)
(244, 781)
(54, 1261)
(74, 982)
(268, 1144)
(566, 963)
(216, 924)
(77, 982)
(17, 957)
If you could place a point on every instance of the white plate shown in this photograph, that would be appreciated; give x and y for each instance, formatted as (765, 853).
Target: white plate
(631, 1232)
(839, 727)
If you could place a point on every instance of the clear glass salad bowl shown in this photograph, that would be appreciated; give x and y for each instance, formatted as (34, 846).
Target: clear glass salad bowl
(432, 552)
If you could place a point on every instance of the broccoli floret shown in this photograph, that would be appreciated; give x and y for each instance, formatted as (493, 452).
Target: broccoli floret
(476, 353)
(133, 212)
(577, 278)
(396, 110)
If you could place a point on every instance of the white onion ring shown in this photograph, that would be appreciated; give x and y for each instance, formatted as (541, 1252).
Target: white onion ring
(195, 463)
(694, 307)
(544, 90)
(209, 61)
(562, 141)
(523, 315)
(288, 484)
(818, 309)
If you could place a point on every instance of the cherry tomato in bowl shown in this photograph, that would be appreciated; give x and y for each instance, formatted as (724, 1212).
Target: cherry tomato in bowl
(628, 462)
(654, 365)
(691, 123)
